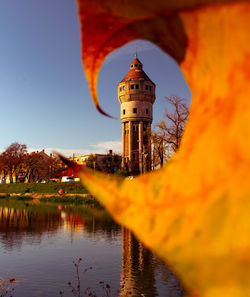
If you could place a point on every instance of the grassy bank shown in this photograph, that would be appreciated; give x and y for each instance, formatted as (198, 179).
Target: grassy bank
(71, 188)
(88, 200)
(75, 193)
(65, 199)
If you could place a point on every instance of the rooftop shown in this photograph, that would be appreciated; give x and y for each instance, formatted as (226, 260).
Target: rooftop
(136, 72)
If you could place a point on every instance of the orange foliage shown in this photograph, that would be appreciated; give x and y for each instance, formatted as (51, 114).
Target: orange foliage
(194, 213)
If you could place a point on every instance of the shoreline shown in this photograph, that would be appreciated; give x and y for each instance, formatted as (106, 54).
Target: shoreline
(45, 195)
(80, 199)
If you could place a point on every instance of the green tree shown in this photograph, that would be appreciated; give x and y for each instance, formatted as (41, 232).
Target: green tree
(111, 162)
(92, 162)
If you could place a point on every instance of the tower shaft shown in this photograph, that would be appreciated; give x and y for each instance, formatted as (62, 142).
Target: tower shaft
(136, 94)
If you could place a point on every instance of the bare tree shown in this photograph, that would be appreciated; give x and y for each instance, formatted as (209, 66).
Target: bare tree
(3, 168)
(35, 167)
(16, 162)
(167, 138)
(12, 159)
(158, 144)
(175, 121)
(40, 166)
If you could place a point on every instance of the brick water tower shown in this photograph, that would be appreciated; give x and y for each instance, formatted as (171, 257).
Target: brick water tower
(136, 94)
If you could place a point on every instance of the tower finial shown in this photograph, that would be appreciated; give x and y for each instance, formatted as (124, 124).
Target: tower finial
(136, 53)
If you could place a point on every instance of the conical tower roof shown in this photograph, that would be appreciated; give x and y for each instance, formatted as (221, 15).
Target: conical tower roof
(136, 72)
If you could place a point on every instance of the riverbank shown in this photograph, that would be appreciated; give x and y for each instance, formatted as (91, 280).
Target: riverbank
(83, 199)
(43, 188)
(73, 193)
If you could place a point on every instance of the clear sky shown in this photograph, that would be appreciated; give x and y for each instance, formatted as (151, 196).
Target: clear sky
(44, 96)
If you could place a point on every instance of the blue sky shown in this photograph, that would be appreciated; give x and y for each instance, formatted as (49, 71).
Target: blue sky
(44, 96)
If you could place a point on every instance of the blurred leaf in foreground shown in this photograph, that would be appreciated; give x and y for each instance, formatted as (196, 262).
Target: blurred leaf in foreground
(194, 213)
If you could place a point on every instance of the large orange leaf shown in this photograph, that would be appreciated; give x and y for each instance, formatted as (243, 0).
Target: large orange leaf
(194, 213)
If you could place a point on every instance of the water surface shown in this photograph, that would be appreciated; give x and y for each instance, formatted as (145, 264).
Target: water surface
(38, 243)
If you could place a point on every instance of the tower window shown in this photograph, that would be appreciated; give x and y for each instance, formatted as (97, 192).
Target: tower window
(134, 110)
(120, 88)
(137, 86)
(132, 66)
(124, 111)
(133, 156)
(136, 65)
(146, 110)
(146, 87)
(150, 88)
(132, 86)
(123, 87)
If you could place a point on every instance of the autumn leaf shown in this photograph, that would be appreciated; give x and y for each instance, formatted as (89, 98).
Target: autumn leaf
(194, 213)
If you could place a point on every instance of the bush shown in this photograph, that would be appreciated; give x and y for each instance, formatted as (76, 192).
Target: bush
(122, 172)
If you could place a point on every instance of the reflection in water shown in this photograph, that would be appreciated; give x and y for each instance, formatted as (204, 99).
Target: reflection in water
(139, 269)
(15, 224)
(33, 224)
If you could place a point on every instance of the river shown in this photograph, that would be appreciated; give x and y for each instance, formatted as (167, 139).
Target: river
(39, 242)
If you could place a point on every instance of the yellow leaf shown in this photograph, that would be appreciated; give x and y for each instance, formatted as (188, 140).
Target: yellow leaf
(194, 213)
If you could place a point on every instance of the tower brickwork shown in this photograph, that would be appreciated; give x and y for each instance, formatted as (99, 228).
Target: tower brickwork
(136, 94)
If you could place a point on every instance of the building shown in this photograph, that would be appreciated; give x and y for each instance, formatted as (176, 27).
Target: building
(31, 167)
(83, 159)
(109, 162)
(136, 94)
